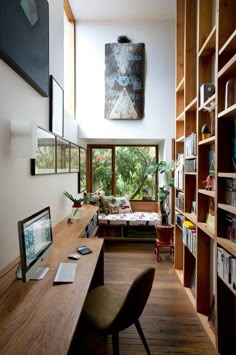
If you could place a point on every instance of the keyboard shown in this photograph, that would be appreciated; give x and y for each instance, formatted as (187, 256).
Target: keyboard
(65, 273)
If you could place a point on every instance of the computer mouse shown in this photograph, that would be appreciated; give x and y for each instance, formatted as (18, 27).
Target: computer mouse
(74, 256)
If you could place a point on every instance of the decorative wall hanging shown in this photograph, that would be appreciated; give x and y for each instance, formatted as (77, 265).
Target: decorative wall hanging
(24, 40)
(124, 80)
(56, 108)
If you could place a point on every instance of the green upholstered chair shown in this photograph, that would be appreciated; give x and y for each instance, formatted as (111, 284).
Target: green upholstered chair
(107, 311)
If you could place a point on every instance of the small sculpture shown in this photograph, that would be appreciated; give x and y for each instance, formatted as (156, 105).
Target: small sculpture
(208, 183)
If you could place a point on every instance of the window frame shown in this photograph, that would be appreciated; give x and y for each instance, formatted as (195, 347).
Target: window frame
(70, 106)
(90, 147)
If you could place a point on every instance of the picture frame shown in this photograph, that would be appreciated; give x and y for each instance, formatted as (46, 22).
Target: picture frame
(56, 108)
(82, 170)
(74, 158)
(62, 155)
(31, 24)
(45, 161)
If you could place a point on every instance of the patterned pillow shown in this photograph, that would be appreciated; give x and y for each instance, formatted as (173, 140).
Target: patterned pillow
(124, 204)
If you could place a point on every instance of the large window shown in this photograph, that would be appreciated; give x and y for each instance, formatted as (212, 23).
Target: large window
(121, 170)
(69, 60)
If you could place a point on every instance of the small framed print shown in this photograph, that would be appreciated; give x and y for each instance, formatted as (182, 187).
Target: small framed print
(56, 108)
(82, 170)
(45, 162)
(63, 155)
(74, 158)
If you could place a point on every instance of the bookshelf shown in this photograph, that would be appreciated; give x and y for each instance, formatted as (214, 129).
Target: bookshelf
(206, 55)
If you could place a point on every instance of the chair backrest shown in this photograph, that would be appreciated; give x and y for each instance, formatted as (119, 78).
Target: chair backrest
(135, 300)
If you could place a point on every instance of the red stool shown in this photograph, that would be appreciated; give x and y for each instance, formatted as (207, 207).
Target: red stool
(159, 245)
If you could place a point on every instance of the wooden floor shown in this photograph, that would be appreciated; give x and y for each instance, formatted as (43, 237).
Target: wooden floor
(169, 321)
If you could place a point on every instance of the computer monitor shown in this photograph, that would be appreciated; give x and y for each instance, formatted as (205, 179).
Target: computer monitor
(35, 239)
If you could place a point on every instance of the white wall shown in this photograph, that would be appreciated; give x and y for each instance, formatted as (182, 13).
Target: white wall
(158, 123)
(20, 193)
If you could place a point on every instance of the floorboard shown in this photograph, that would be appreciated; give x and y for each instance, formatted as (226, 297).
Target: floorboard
(169, 321)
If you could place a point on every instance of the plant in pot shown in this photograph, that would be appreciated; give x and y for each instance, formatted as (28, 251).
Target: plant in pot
(165, 230)
(76, 207)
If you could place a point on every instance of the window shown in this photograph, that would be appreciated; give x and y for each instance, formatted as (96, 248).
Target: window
(120, 170)
(69, 60)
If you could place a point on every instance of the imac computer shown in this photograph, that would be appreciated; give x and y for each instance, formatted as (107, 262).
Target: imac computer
(35, 239)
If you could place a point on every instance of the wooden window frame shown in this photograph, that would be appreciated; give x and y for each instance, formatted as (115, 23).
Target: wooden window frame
(70, 105)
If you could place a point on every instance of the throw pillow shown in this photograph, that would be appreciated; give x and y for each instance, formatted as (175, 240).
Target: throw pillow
(124, 204)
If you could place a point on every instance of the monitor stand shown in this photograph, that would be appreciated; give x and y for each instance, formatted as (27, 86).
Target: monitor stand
(37, 275)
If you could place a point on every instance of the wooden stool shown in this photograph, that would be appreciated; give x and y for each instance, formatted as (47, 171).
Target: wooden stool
(159, 245)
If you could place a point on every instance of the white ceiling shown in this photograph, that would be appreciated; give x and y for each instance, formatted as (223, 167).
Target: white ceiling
(126, 10)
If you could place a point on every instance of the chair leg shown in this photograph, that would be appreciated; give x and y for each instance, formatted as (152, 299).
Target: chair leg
(139, 329)
(115, 343)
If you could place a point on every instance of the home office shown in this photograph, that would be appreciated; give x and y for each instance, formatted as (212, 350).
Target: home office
(166, 82)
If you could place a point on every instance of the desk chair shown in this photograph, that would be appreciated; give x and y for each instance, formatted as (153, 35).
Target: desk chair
(107, 311)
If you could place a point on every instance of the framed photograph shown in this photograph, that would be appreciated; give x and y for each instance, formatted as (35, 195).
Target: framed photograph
(74, 158)
(24, 40)
(45, 162)
(82, 170)
(63, 155)
(56, 108)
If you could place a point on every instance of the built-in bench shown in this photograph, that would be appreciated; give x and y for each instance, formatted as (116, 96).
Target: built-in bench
(137, 225)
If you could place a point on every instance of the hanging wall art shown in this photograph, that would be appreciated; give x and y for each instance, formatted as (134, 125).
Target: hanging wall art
(24, 40)
(124, 81)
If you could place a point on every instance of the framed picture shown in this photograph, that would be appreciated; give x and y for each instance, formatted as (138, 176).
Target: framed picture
(56, 108)
(24, 40)
(124, 81)
(45, 162)
(63, 155)
(82, 170)
(74, 158)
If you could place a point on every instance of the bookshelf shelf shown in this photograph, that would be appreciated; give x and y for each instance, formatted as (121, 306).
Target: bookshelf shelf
(229, 112)
(229, 46)
(227, 175)
(208, 26)
(227, 208)
(191, 217)
(228, 285)
(229, 70)
(208, 48)
(206, 229)
(206, 192)
(208, 141)
(208, 103)
(228, 245)
(180, 86)
(179, 210)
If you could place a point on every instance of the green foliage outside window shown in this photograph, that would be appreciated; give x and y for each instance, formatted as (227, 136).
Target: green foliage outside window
(131, 164)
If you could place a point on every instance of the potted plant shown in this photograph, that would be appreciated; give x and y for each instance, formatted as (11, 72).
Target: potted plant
(165, 230)
(76, 207)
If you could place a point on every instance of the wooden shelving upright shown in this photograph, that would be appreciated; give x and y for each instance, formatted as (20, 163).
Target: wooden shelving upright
(206, 53)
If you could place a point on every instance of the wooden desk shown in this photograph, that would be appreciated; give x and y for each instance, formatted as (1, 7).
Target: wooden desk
(39, 318)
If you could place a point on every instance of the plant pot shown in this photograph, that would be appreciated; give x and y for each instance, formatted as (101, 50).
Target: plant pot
(77, 212)
(165, 234)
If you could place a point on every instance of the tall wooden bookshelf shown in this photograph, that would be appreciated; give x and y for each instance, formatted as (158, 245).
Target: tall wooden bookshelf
(206, 54)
